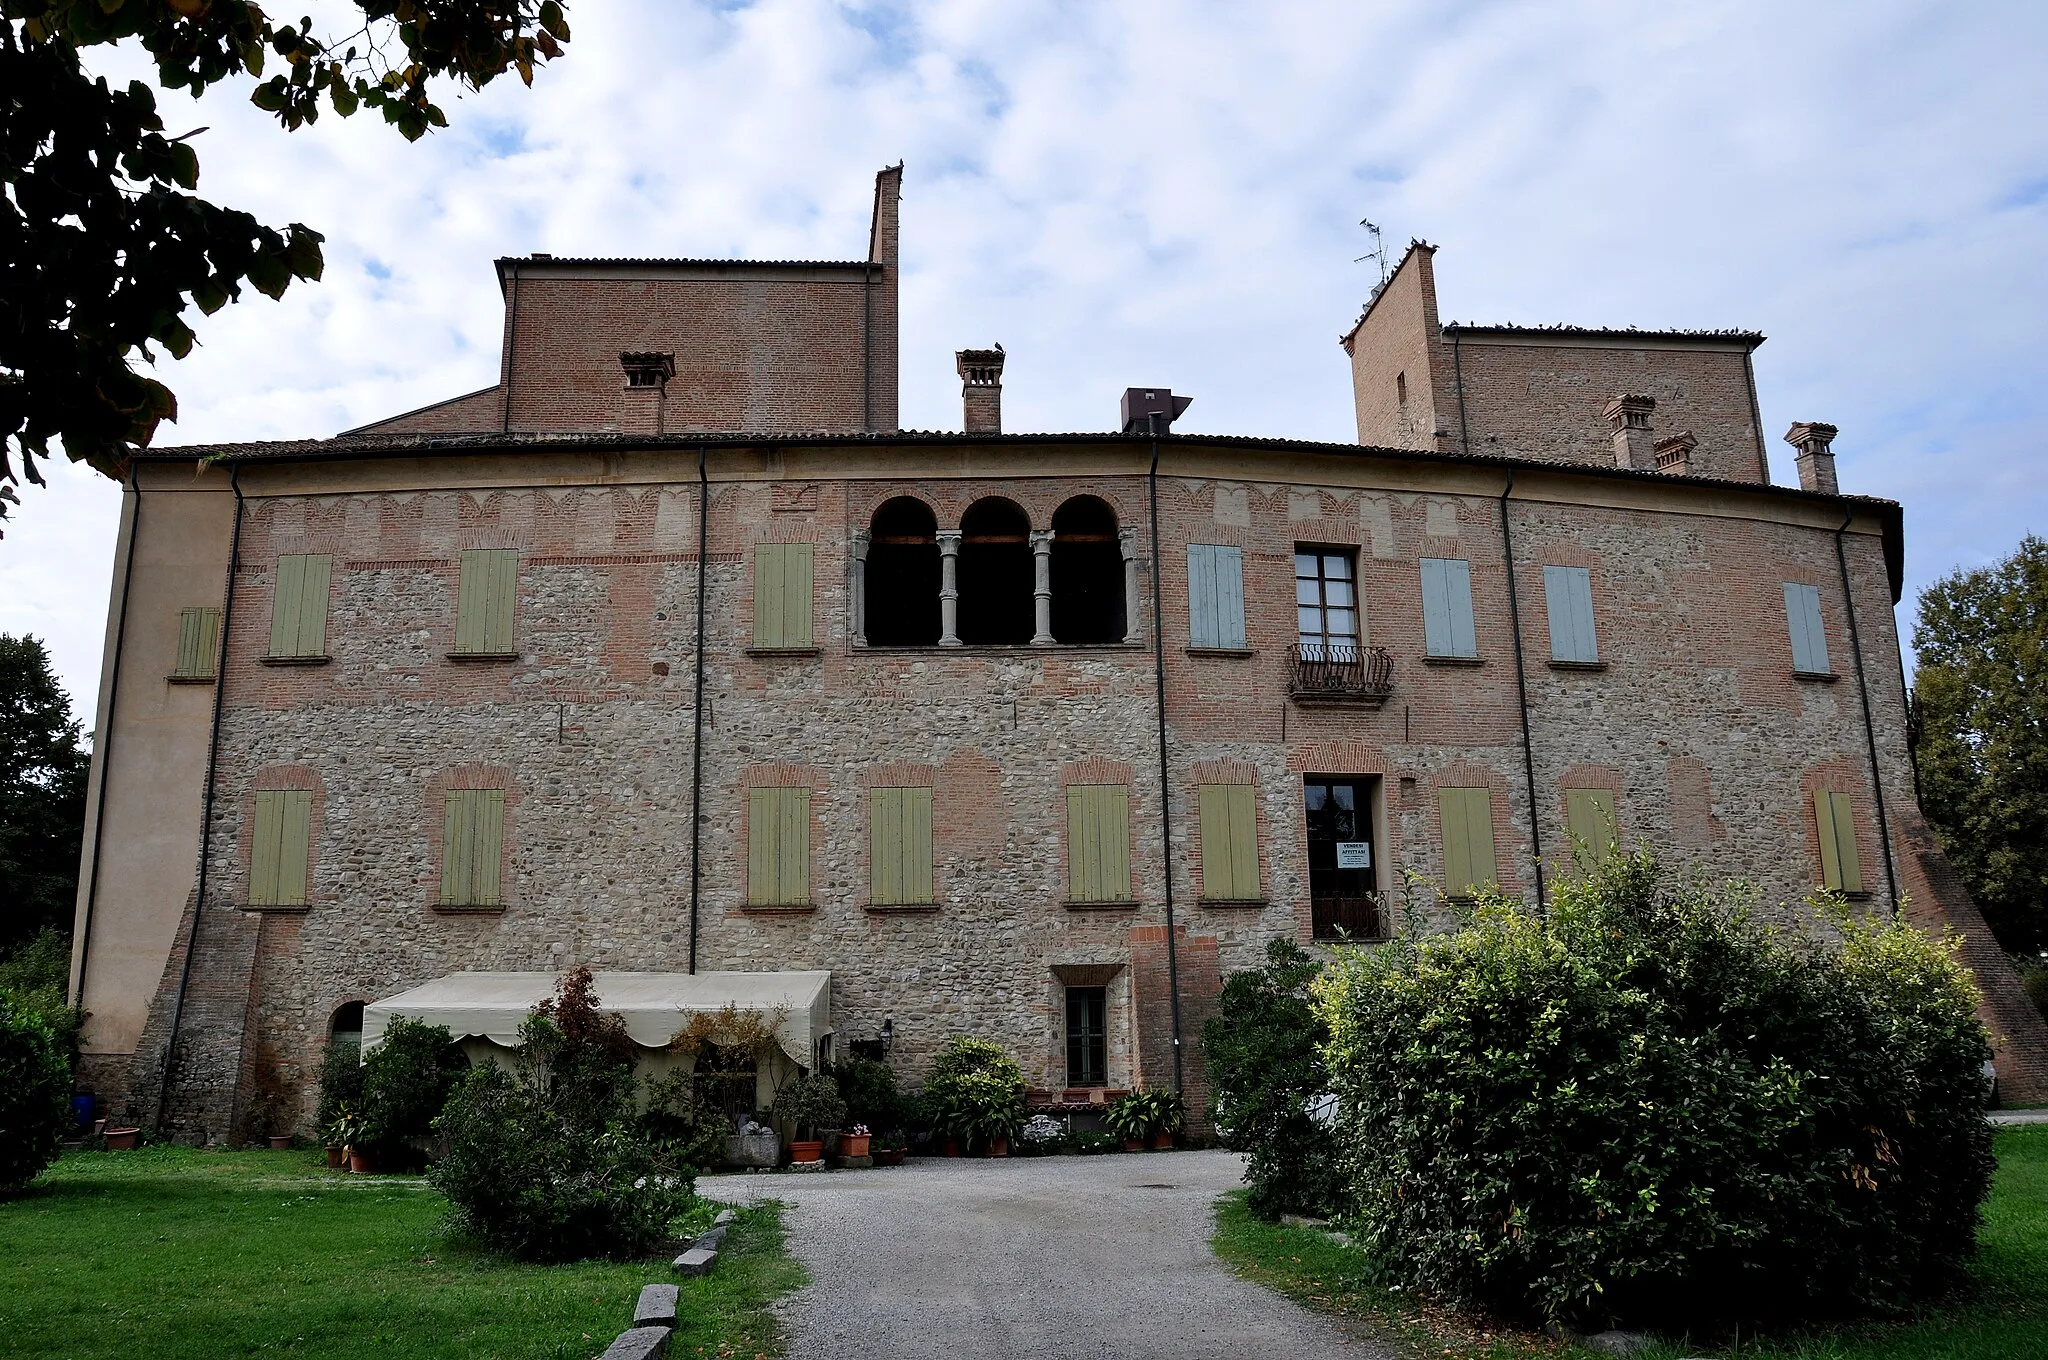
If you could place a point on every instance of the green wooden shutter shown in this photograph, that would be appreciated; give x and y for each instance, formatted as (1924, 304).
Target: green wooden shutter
(1589, 813)
(294, 847)
(298, 606)
(1098, 843)
(486, 601)
(1809, 636)
(1215, 596)
(1447, 608)
(458, 846)
(1568, 594)
(782, 595)
(1230, 843)
(264, 849)
(778, 847)
(1841, 862)
(900, 846)
(486, 859)
(198, 643)
(1466, 819)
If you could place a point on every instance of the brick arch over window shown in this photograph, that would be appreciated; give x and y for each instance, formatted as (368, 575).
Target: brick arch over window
(997, 605)
(458, 778)
(1087, 573)
(902, 577)
(275, 779)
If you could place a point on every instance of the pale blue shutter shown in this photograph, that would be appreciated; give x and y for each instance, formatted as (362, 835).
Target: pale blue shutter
(1447, 607)
(1568, 592)
(1215, 596)
(1809, 637)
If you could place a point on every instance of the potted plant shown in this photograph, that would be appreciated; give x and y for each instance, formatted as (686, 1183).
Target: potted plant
(280, 1142)
(810, 1103)
(1146, 1116)
(352, 1132)
(976, 1096)
(123, 1139)
(854, 1142)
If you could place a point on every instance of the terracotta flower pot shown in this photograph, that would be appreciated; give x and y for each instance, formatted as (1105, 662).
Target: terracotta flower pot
(359, 1163)
(1162, 1141)
(811, 1150)
(950, 1148)
(1134, 1145)
(334, 1156)
(998, 1147)
(123, 1140)
(854, 1144)
(888, 1156)
(282, 1144)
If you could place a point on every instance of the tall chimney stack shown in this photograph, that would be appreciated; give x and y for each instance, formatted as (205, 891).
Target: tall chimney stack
(1633, 447)
(981, 389)
(1815, 442)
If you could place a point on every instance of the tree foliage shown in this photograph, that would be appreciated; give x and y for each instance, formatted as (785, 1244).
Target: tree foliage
(1981, 687)
(35, 1092)
(42, 795)
(1645, 1107)
(105, 241)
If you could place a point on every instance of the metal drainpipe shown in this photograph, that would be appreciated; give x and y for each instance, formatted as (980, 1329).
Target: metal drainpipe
(104, 741)
(1884, 828)
(697, 742)
(220, 684)
(1464, 430)
(1507, 545)
(1165, 780)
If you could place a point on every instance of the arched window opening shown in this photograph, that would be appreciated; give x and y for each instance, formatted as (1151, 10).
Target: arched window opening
(902, 606)
(995, 575)
(1087, 573)
(347, 1024)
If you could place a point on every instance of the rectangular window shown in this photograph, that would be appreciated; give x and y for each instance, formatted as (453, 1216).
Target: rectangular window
(1569, 593)
(1098, 843)
(1230, 843)
(484, 602)
(284, 824)
(472, 847)
(1809, 637)
(1466, 817)
(1343, 871)
(1087, 1036)
(1326, 603)
(198, 643)
(899, 847)
(1215, 596)
(1589, 815)
(782, 595)
(298, 608)
(778, 847)
(1447, 608)
(1841, 865)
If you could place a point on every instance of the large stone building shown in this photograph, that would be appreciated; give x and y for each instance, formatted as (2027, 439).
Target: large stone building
(1032, 737)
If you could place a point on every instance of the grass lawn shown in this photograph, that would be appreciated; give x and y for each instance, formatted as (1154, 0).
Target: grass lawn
(2001, 1315)
(174, 1253)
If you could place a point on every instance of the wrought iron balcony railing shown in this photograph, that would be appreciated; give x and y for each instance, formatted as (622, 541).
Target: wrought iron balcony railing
(1339, 673)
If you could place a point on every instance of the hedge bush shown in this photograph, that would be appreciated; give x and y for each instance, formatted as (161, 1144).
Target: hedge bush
(35, 1091)
(1645, 1107)
(975, 1092)
(1263, 1049)
(407, 1079)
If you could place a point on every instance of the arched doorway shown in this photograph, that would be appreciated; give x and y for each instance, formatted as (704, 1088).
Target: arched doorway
(902, 604)
(995, 574)
(1087, 573)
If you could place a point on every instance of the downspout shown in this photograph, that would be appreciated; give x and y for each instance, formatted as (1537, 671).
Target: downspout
(697, 711)
(1884, 827)
(1522, 689)
(104, 742)
(511, 340)
(1464, 430)
(220, 684)
(1165, 781)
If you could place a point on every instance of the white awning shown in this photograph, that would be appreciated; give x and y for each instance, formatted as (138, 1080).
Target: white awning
(654, 1005)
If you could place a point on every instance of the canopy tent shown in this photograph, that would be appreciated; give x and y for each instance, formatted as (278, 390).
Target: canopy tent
(653, 1005)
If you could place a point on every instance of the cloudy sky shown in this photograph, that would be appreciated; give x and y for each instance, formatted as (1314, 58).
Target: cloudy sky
(1170, 193)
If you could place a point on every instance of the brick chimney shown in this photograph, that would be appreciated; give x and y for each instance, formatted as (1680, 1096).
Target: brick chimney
(981, 389)
(1675, 453)
(646, 391)
(1816, 458)
(1630, 416)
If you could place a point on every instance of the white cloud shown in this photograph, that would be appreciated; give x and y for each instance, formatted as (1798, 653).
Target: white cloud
(1155, 192)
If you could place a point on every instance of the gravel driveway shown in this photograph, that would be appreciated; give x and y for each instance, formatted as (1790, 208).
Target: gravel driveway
(1029, 1257)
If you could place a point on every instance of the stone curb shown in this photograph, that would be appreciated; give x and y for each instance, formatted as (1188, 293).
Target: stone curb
(641, 1343)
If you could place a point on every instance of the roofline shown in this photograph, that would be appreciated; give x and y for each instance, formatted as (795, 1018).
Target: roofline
(1749, 340)
(1414, 245)
(417, 410)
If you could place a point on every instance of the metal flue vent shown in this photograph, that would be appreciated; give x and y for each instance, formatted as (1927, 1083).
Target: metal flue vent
(1152, 409)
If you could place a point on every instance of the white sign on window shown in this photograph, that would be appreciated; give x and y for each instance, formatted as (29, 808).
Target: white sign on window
(1354, 854)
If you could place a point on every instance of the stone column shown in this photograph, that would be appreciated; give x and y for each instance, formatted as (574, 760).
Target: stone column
(860, 588)
(1128, 538)
(949, 587)
(1041, 592)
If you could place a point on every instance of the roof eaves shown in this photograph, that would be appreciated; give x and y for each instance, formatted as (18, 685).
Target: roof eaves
(1750, 339)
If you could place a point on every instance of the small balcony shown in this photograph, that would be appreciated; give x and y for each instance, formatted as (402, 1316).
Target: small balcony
(1339, 673)
(1349, 918)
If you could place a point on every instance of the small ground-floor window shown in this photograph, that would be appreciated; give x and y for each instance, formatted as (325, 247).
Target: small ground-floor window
(1087, 1036)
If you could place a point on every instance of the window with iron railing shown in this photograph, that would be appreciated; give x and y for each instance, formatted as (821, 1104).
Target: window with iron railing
(1326, 603)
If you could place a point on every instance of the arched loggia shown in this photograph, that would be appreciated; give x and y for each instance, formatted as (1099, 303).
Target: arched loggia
(995, 574)
(902, 604)
(1087, 573)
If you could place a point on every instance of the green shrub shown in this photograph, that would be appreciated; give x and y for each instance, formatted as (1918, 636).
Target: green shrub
(549, 1162)
(1145, 1112)
(1647, 1108)
(1090, 1142)
(1263, 1049)
(684, 1126)
(975, 1093)
(406, 1080)
(341, 1080)
(39, 975)
(35, 1092)
(811, 1103)
(872, 1097)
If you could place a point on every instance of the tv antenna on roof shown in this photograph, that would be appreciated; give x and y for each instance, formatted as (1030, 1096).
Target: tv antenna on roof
(1378, 251)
